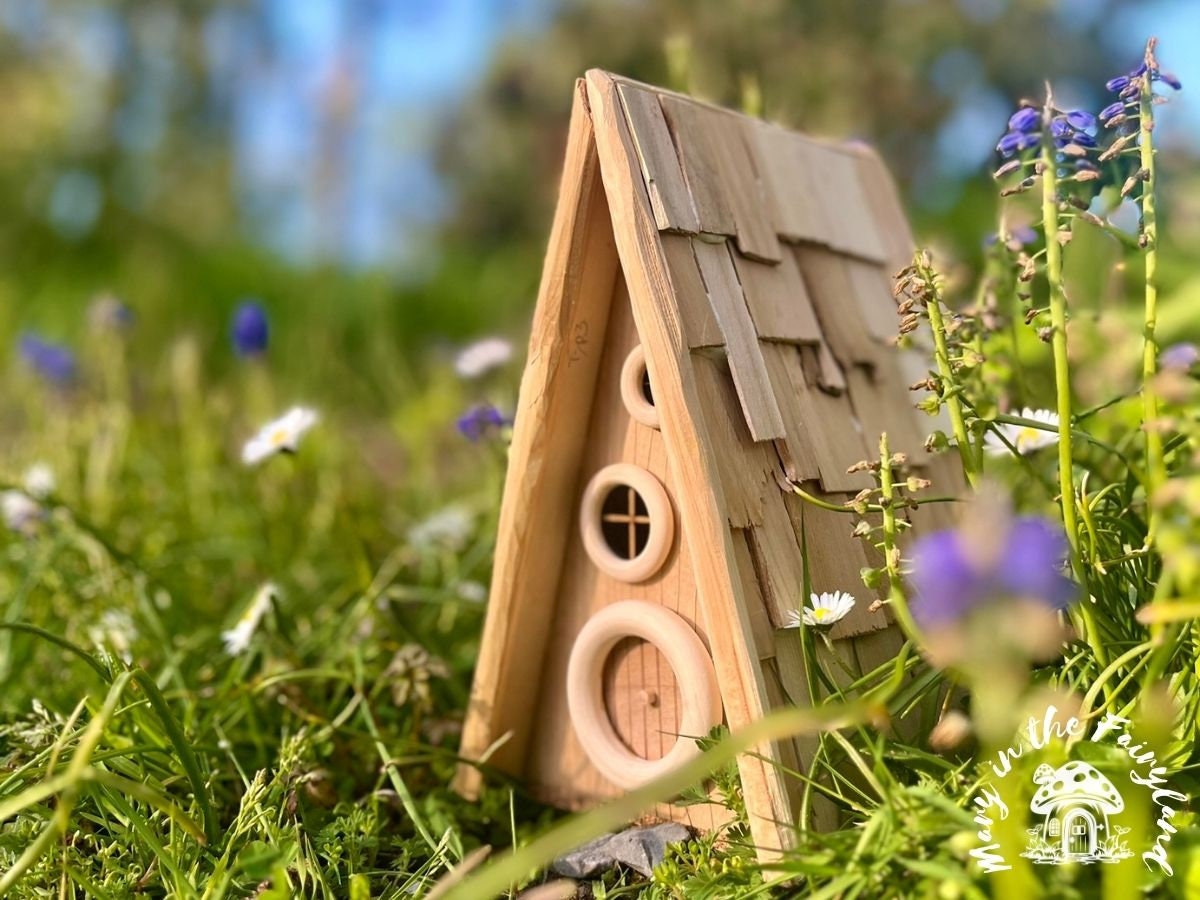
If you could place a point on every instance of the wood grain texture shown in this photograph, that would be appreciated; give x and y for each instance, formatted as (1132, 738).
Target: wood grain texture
(669, 196)
(744, 468)
(555, 399)
(778, 300)
(827, 277)
(700, 158)
(835, 558)
(788, 179)
(790, 669)
(753, 207)
(883, 403)
(799, 451)
(668, 234)
(756, 604)
(887, 209)
(777, 560)
(700, 328)
(845, 208)
(692, 463)
(825, 430)
(558, 770)
(871, 285)
(741, 342)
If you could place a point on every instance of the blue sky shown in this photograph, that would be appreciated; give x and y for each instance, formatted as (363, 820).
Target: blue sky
(335, 104)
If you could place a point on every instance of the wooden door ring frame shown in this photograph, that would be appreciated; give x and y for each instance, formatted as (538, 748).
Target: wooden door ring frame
(699, 694)
(658, 508)
(636, 403)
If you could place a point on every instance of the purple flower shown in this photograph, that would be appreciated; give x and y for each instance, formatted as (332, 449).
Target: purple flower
(1015, 141)
(108, 313)
(1128, 83)
(1081, 120)
(1024, 235)
(249, 328)
(1169, 79)
(1025, 119)
(951, 576)
(54, 362)
(1112, 110)
(480, 421)
(1179, 357)
(1019, 236)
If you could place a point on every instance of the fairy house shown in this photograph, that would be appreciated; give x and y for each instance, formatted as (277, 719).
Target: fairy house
(1075, 801)
(714, 320)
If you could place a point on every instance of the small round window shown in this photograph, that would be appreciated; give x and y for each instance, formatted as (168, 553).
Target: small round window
(627, 522)
(636, 390)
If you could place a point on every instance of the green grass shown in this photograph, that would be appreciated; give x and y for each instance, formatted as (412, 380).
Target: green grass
(136, 755)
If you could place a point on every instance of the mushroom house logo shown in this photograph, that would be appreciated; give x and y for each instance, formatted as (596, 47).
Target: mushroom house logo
(1076, 811)
(1074, 802)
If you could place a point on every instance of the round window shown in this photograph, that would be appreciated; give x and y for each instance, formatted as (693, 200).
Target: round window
(627, 522)
(636, 390)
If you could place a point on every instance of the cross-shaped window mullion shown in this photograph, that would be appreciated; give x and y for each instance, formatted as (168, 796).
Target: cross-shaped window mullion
(631, 519)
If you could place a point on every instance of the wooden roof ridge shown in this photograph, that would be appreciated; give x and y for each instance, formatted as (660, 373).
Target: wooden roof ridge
(753, 221)
(848, 147)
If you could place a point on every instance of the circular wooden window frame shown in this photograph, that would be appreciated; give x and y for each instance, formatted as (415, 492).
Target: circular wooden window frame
(632, 373)
(695, 677)
(658, 510)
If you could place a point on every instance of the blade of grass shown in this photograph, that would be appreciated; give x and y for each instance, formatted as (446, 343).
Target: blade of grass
(511, 868)
(186, 757)
(53, 638)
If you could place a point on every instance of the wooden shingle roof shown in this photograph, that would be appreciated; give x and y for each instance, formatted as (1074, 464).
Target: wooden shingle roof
(780, 251)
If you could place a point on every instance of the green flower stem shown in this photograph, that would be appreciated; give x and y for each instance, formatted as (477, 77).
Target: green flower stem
(891, 552)
(1085, 621)
(1058, 321)
(1155, 464)
(949, 397)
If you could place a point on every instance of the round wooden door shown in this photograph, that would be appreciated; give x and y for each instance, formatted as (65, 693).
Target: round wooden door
(693, 678)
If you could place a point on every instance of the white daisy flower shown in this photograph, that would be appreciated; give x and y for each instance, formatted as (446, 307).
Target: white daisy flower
(483, 356)
(39, 481)
(1024, 438)
(825, 609)
(20, 511)
(449, 528)
(237, 638)
(472, 591)
(281, 436)
(115, 631)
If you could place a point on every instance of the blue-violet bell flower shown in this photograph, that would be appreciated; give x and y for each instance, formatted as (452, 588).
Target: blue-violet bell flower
(955, 572)
(480, 421)
(1179, 357)
(250, 328)
(54, 362)
(1025, 119)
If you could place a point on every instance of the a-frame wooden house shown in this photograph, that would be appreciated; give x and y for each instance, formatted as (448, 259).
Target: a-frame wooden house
(714, 315)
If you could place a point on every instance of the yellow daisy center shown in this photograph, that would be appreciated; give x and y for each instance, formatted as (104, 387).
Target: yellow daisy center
(1027, 435)
(279, 437)
(820, 613)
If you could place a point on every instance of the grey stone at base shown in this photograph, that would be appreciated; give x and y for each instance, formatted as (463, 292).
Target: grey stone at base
(640, 849)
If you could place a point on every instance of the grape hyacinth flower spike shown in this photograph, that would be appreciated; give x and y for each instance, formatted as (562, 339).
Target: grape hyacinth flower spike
(998, 577)
(480, 421)
(1179, 357)
(250, 329)
(53, 362)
